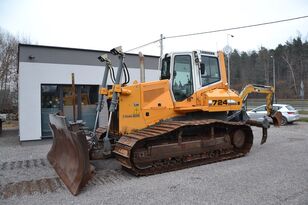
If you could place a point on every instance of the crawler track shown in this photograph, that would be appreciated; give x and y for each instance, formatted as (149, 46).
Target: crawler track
(174, 145)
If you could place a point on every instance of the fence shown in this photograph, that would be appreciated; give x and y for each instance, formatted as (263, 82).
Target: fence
(296, 103)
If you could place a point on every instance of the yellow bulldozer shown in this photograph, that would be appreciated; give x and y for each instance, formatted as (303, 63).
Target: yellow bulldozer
(187, 118)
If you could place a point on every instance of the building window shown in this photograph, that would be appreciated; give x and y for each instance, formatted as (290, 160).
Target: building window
(55, 98)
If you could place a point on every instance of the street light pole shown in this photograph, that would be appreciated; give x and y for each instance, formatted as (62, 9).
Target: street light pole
(274, 78)
(228, 51)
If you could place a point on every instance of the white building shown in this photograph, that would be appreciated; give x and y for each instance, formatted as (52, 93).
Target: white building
(45, 84)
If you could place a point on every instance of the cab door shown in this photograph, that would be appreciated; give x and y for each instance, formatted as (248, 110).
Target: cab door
(182, 77)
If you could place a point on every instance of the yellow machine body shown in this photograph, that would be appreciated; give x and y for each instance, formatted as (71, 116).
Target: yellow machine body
(145, 104)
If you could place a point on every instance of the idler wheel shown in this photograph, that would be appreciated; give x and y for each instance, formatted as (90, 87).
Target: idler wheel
(238, 138)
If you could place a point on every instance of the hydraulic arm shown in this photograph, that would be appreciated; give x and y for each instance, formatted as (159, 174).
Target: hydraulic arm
(269, 91)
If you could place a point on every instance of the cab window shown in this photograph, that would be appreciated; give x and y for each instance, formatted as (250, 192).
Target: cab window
(211, 74)
(182, 84)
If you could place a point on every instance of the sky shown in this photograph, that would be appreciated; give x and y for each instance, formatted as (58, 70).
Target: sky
(102, 24)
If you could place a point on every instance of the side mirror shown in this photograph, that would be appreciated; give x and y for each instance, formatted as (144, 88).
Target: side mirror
(202, 68)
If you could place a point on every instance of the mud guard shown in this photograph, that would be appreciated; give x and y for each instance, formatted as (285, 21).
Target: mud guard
(69, 155)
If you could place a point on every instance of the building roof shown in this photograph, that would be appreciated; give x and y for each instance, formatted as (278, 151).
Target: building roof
(77, 56)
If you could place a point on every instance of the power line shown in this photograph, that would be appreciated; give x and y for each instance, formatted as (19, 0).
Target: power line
(143, 45)
(220, 30)
(236, 28)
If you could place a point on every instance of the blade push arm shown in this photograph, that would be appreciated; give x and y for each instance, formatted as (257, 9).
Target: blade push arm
(102, 58)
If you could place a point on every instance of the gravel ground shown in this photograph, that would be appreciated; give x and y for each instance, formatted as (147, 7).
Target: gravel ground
(273, 173)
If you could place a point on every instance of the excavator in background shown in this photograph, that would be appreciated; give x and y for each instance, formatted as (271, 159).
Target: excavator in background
(187, 118)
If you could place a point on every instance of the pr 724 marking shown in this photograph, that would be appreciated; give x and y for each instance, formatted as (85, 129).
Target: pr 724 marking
(220, 102)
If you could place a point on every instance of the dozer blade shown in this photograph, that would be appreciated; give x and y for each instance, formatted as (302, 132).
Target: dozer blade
(69, 155)
(276, 117)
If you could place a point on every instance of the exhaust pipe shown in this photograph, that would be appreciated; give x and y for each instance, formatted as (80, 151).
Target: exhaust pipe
(142, 71)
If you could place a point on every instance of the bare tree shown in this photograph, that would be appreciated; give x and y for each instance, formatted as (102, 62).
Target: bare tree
(288, 61)
(8, 70)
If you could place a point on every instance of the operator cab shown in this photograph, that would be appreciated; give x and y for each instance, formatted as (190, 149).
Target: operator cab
(189, 72)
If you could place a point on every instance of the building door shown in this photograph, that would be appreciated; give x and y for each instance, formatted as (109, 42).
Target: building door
(50, 103)
(55, 98)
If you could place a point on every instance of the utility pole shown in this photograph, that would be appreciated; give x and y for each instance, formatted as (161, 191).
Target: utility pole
(274, 78)
(228, 51)
(161, 45)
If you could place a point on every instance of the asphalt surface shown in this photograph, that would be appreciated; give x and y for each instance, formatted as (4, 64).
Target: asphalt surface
(273, 173)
